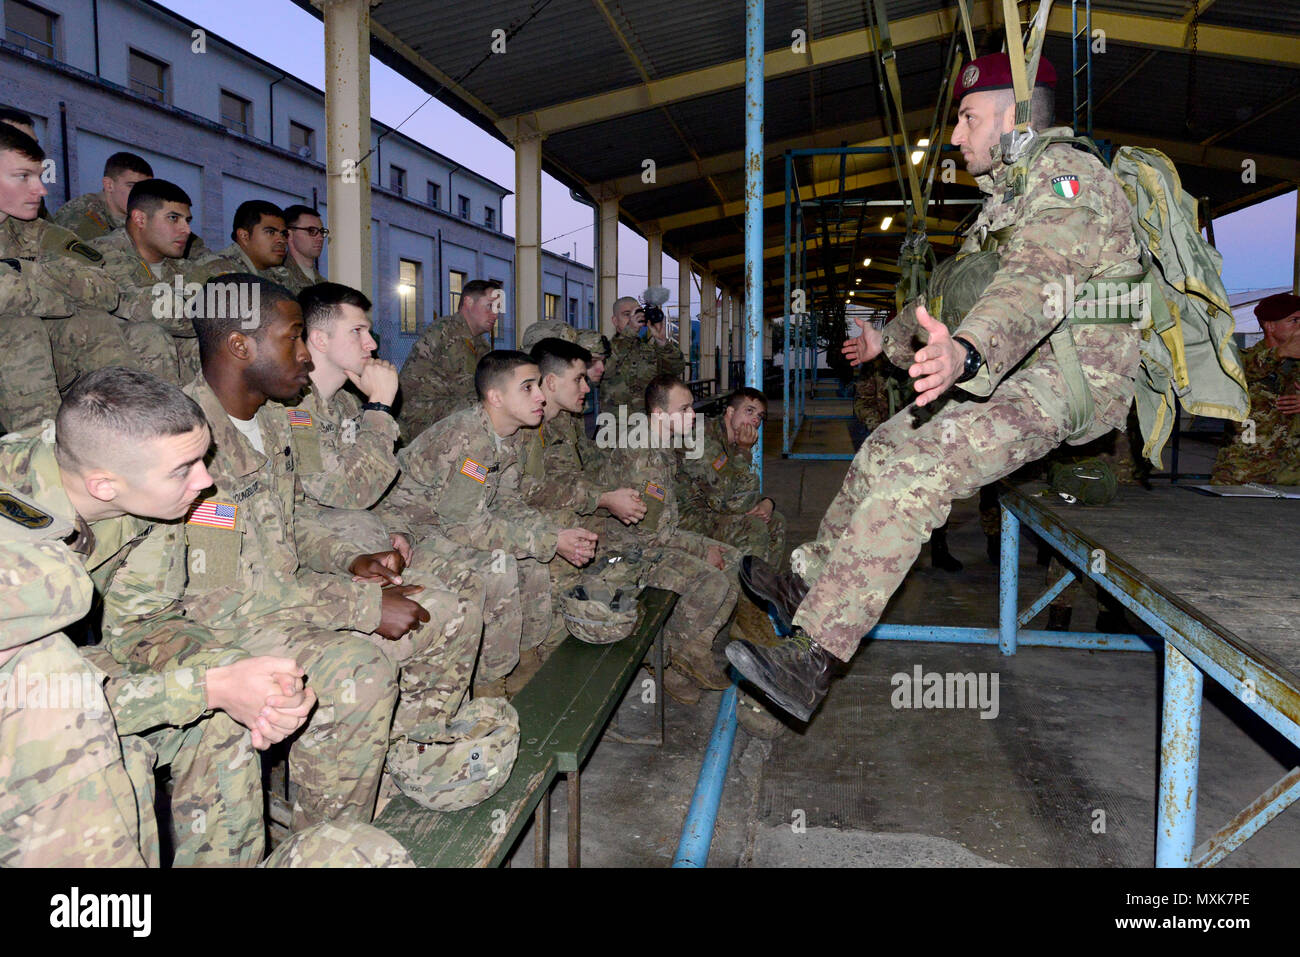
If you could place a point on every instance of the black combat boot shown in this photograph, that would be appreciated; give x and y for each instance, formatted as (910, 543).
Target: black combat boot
(940, 557)
(784, 590)
(793, 674)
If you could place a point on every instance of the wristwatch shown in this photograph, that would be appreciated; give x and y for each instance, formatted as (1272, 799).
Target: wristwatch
(377, 407)
(973, 362)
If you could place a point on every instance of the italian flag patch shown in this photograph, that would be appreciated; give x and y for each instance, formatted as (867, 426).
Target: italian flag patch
(1067, 186)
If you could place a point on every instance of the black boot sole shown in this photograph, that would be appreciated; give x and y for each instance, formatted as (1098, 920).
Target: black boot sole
(754, 672)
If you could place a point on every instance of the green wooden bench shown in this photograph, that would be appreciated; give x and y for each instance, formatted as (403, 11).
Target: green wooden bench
(562, 712)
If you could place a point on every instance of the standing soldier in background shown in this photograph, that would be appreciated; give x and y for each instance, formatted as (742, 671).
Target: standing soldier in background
(92, 215)
(599, 347)
(1267, 446)
(438, 376)
(54, 300)
(640, 350)
(306, 240)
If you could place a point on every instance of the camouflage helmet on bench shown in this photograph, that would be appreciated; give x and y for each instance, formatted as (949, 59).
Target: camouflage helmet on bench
(464, 762)
(599, 614)
(1089, 482)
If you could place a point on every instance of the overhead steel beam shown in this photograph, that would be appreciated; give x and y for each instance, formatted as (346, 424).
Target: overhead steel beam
(1209, 157)
(1160, 33)
(775, 252)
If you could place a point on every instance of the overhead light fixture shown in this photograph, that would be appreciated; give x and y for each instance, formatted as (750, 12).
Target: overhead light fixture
(919, 154)
(858, 280)
(886, 223)
(405, 289)
(867, 261)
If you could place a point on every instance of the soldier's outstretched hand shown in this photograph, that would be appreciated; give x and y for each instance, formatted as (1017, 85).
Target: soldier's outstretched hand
(938, 363)
(865, 347)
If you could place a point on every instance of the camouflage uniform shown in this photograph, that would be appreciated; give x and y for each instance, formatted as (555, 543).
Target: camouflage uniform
(245, 576)
(438, 375)
(348, 844)
(344, 455)
(234, 259)
(707, 596)
(871, 401)
(55, 322)
(547, 329)
(66, 774)
(715, 491)
(138, 282)
(633, 362)
(1272, 454)
(903, 481)
(458, 499)
(89, 216)
(297, 278)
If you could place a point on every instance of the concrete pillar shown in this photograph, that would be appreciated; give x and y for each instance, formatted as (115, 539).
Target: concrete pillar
(607, 268)
(708, 324)
(655, 257)
(684, 286)
(527, 305)
(347, 139)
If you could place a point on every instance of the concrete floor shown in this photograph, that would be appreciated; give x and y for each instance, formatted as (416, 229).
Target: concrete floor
(1065, 775)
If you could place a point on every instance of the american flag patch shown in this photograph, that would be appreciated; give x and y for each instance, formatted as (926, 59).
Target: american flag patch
(719, 462)
(655, 491)
(214, 515)
(475, 471)
(300, 418)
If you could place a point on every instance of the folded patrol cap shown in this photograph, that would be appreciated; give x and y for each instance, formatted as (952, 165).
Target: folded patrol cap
(993, 72)
(1273, 308)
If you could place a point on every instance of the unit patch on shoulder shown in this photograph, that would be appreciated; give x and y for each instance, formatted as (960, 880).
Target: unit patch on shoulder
(475, 471)
(300, 418)
(84, 251)
(655, 491)
(1067, 186)
(720, 462)
(24, 514)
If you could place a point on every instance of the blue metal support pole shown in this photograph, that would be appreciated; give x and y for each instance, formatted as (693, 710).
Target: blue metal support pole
(1009, 583)
(697, 831)
(754, 61)
(788, 312)
(1180, 758)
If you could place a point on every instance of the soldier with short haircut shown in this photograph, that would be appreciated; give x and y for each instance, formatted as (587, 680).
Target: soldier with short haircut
(640, 350)
(1054, 214)
(1267, 446)
(149, 253)
(126, 450)
(718, 493)
(54, 300)
(439, 373)
(459, 498)
(306, 240)
(259, 244)
(252, 570)
(92, 215)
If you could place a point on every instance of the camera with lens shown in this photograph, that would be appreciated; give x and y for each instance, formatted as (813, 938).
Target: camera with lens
(652, 301)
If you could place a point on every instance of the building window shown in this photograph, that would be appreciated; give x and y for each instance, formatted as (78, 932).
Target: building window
(591, 314)
(30, 27)
(236, 112)
(148, 77)
(489, 217)
(397, 180)
(573, 311)
(463, 203)
(455, 283)
(434, 195)
(302, 140)
(408, 294)
(552, 305)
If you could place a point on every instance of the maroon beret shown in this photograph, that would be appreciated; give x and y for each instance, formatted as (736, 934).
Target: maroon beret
(993, 72)
(1273, 308)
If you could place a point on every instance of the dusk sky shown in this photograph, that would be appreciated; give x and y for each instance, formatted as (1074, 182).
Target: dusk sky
(1257, 243)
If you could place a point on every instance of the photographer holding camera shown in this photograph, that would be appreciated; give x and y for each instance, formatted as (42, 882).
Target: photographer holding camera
(640, 351)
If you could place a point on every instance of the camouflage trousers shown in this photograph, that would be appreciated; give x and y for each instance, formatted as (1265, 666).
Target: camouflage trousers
(338, 756)
(77, 795)
(749, 534)
(40, 356)
(901, 486)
